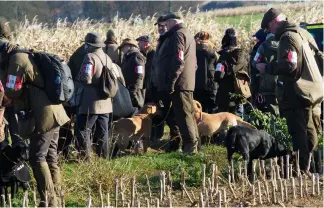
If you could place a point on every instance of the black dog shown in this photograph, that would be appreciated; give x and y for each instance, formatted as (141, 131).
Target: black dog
(253, 144)
(14, 172)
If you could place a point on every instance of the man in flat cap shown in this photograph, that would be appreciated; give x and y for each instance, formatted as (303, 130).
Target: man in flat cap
(92, 109)
(176, 68)
(144, 44)
(133, 68)
(297, 109)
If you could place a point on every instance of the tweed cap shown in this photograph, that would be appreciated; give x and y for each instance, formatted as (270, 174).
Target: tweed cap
(269, 16)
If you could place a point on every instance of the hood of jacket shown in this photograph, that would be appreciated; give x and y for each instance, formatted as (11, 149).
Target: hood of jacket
(283, 27)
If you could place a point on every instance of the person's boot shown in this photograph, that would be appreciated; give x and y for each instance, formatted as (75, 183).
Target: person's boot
(44, 184)
(56, 178)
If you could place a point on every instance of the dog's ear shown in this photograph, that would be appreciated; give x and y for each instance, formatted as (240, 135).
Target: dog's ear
(197, 104)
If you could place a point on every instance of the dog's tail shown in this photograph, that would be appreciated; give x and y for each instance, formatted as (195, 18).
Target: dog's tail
(244, 123)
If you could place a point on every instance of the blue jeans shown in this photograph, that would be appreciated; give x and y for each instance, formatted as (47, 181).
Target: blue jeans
(85, 124)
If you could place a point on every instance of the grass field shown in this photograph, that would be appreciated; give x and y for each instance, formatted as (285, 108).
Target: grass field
(245, 21)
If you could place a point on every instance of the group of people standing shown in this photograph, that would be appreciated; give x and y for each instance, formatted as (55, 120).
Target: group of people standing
(180, 69)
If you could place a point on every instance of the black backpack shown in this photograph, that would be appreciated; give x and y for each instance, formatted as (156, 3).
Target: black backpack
(108, 84)
(58, 82)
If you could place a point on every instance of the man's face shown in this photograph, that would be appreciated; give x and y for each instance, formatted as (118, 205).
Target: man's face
(126, 48)
(169, 23)
(162, 28)
(143, 45)
(272, 26)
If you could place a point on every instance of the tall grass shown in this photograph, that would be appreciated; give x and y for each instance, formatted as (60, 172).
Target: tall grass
(64, 38)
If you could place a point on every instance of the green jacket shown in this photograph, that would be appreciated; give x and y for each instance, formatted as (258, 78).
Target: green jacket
(76, 61)
(289, 61)
(20, 71)
(267, 53)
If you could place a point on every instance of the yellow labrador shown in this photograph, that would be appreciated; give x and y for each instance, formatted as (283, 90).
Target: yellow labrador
(136, 128)
(210, 124)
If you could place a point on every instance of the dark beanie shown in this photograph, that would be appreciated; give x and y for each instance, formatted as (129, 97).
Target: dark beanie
(268, 17)
(229, 39)
(260, 35)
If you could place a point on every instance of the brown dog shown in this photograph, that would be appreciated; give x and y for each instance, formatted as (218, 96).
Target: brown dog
(134, 129)
(210, 124)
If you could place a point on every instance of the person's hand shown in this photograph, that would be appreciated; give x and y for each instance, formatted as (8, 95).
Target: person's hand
(171, 92)
(261, 67)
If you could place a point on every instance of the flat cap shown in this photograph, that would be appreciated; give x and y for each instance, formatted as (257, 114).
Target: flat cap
(269, 16)
(171, 16)
(159, 20)
(93, 39)
(144, 38)
(260, 35)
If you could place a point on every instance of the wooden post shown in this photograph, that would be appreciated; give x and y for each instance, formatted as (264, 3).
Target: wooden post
(293, 187)
(313, 184)
(282, 191)
(254, 171)
(203, 176)
(188, 195)
(148, 184)
(138, 203)
(108, 199)
(286, 189)
(170, 200)
(201, 200)
(116, 192)
(133, 183)
(318, 185)
(245, 168)
(26, 198)
(260, 169)
(219, 198)
(282, 167)
(213, 177)
(287, 166)
(9, 200)
(62, 198)
(161, 189)
(274, 195)
(207, 198)
(157, 203)
(240, 169)
(100, 194)
(183, 183)
(163, 180)
(267, 190)
(229, 175)
(301, 186)
(225, 198)
(253, 195)
(297, 165)
(232, 171)
(263, 168)
(34, 197)
(306, 185)
(3, 198)
(260, 193)
(89, 201)
(147, 202)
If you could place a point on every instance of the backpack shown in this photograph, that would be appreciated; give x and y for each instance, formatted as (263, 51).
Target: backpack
(108, 85)
(242, 84)
(58, 82)
(310, 85)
